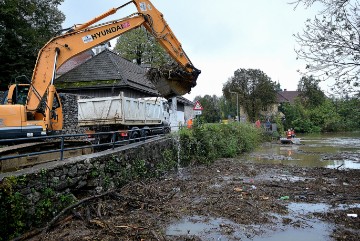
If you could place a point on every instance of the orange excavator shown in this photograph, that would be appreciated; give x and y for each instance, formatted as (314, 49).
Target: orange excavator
(35, 109)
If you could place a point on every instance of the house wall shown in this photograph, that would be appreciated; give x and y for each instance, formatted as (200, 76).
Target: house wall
(271, 110)
(177, 120)
(188, 112)
(176, 116)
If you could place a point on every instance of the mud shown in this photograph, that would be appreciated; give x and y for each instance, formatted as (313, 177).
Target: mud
(232, 199)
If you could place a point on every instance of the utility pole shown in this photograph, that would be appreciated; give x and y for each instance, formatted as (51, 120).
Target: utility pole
(237, 104)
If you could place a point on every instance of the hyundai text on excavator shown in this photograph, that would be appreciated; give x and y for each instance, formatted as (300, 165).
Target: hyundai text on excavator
(35, 109)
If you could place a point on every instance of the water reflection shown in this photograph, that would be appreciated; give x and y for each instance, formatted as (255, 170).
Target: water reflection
(209, 228)
(340, 150)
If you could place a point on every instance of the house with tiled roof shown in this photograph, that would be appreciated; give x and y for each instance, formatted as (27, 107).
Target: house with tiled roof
(287, 96)
(272, 110)
(106, 74)
(74, 62)
(281, 97)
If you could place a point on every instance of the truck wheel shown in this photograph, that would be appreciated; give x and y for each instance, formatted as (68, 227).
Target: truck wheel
(167, 130)
(135, 135)
(97, 140)
(144, 133)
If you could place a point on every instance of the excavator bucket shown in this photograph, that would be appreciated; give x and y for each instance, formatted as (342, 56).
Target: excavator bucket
(173, 80)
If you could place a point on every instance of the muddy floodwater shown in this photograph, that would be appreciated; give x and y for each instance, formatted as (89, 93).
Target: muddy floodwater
(321, 150)
(333, 151)
(276, 193)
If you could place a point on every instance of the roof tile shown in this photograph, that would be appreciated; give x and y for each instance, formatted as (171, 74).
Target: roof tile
(108, 65)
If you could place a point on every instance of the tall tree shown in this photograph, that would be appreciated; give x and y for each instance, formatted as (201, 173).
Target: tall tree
(211, 112)
(330, 43)
(227, 108)
(140, 46)
(254, 88)
(310, 93)
(25, 26)
(349, 110)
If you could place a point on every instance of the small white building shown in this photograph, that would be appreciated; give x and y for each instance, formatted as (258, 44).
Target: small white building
(181, 109)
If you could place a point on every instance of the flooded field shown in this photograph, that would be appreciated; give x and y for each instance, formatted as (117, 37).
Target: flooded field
(325, 150)
(333, 151)
(276, 193)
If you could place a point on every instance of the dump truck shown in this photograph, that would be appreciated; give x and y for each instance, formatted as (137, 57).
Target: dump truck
(132, 118)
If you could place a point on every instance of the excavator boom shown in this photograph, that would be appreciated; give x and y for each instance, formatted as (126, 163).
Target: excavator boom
(168, 80)
(86, 36)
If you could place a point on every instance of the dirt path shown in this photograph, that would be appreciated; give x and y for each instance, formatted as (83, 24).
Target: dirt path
(246, 200)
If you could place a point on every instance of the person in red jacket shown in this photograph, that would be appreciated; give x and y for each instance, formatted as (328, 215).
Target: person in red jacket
(288, 134)
(258, 124)
(292, 133)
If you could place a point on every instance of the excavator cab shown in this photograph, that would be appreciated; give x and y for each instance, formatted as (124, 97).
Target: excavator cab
(16, 94)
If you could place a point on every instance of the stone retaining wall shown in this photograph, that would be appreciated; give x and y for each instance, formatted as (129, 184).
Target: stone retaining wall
(57, 183)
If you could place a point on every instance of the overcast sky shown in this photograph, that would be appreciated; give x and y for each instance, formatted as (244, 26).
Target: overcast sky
(221, 36)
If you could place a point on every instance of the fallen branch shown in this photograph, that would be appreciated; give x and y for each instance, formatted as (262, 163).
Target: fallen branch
(129, 227)
(249, 203)
(156, 236)
(54, 220)
(28, 235)
(274, 185)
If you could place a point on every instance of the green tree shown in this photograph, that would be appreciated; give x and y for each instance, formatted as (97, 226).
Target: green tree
(255, 91)
(324, 116)
(310, 93)
(349, 111)
(227, 108)
(139, 45)
(293, 114)
(330, 43)
(211, 112)
(313, 112)
(320, 118)
(25, 26)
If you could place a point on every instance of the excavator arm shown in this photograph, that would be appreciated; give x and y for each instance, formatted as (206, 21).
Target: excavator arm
(172, 82)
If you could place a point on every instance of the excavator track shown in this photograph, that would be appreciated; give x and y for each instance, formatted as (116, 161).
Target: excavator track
(33, 147)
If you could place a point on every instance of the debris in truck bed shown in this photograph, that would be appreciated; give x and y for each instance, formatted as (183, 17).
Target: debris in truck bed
(172, 80)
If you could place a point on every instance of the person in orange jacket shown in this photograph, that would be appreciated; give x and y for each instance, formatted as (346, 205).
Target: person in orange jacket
(189, 123)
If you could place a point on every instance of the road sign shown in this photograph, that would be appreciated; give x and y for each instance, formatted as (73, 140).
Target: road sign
(197, 106)
(197, 112)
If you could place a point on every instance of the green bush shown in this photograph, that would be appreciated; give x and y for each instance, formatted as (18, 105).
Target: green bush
(207, 142)
(330, 115)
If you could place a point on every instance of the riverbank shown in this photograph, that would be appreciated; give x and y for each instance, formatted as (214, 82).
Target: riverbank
(228, 200)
